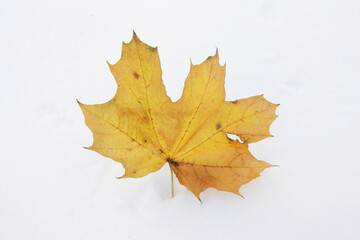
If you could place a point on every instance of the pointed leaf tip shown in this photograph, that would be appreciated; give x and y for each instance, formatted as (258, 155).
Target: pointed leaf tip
(135, 37)
(109, 64)
(239, 194)
(80, 103)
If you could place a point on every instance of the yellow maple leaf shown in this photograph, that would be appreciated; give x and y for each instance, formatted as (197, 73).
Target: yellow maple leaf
(141, 127)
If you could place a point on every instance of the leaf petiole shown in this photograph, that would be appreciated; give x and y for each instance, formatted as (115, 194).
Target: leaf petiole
(172, 181)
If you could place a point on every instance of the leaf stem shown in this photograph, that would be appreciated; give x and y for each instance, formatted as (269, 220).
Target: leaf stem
(172, 181)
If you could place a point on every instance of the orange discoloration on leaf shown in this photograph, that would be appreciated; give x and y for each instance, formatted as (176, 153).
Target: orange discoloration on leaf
(143, 129)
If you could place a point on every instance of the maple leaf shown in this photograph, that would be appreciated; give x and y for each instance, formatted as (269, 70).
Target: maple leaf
(141, 127)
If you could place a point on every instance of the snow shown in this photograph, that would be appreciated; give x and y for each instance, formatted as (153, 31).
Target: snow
(304, 55)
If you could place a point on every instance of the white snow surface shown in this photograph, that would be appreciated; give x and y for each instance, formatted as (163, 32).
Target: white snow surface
(304, 55)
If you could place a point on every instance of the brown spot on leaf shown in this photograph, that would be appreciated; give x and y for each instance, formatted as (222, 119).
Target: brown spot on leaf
(218, 126)
(136, 75)
(234, 102)
(146, 118)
